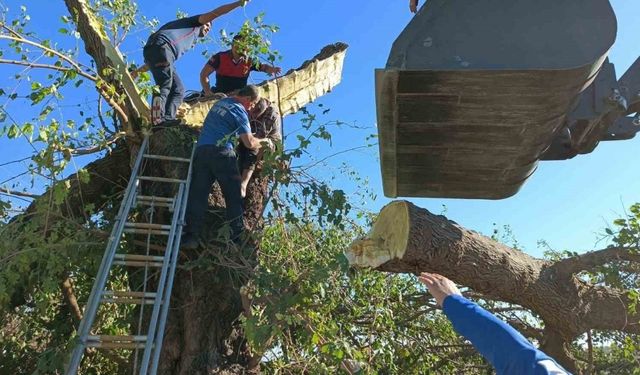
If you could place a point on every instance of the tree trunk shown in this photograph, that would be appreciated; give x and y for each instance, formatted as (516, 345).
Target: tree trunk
(203, 334)
(408, 239)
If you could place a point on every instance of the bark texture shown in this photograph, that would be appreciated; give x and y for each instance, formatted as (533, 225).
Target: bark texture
(203, 333)
(415, 240)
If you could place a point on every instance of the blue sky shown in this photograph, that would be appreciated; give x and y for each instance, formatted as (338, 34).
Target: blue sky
(565, 203)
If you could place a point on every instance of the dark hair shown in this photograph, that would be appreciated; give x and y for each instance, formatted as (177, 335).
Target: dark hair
(249, 91)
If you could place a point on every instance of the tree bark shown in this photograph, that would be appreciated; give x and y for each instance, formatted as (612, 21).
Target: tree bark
(203, 334)
(409, 239)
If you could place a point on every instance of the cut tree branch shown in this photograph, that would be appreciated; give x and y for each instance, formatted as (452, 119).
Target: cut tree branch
(61, 56)
(46, 66)
(408, 239)
(589, 261)
(18, 193)
(93, 149)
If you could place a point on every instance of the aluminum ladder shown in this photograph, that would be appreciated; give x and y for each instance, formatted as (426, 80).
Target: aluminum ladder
(147, 345)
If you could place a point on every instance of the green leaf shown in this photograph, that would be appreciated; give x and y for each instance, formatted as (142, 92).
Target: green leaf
(13, 131)
(27, 129)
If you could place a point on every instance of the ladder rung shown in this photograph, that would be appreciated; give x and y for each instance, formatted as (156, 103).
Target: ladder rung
(147, 226)
(139, 257)
(137, 298)
(162, 179)
(117, 345)
(133, 260)
(168, 158)
(147, 231)
(155, 199)
(128, 294)
(112, 338)
(116, 342)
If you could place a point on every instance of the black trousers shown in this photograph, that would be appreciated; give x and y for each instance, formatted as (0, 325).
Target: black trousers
(212, 163)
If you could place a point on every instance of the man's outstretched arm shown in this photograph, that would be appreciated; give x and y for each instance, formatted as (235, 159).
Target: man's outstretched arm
(221, 10)
(505, 348)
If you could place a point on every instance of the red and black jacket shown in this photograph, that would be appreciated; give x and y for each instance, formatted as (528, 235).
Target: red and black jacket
(231, 75)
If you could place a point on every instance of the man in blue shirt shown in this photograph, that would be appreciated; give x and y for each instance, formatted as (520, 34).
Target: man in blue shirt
(504, 347)
(164, 47)
(216, 160)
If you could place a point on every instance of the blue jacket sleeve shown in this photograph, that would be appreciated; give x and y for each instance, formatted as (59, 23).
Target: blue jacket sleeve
(505, 348)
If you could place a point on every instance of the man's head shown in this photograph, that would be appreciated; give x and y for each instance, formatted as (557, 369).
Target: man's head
(248, 96)
(259, 109)
(238, 46)
(204, 29)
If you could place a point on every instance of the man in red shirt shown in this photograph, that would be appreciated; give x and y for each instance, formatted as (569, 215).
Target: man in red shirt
(232, 69)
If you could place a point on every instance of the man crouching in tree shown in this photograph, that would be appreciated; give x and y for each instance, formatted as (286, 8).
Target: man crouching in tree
(265, 123)
(232, 69)
(216, 160)
(167, 45)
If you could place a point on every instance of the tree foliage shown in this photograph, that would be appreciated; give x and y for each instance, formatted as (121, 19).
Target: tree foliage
(306, 310)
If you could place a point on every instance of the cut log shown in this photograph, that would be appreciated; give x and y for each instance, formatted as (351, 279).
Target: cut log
(409, 239)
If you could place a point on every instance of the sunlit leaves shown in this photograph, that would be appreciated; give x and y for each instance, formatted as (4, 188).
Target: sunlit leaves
(255, 40)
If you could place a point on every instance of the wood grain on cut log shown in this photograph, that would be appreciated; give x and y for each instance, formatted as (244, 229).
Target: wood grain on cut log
(409, 239)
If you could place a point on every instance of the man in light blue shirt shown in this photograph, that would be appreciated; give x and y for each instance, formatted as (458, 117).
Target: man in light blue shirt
(216, 160)
(504, 347)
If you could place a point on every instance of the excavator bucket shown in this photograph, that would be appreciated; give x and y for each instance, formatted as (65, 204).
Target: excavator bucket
(474, 92)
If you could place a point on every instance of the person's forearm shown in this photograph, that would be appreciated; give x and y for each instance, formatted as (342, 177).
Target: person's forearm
(219, 11)
(494, 339)
(204, 82)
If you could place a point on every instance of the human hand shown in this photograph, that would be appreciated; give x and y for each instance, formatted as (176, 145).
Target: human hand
(439, 286)
(413, 6)
(274, 70)
(268, 143)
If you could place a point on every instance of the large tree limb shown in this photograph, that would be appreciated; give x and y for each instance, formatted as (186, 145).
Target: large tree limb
(408, 239)
(107, 176)
(109, 59)
(589, 261)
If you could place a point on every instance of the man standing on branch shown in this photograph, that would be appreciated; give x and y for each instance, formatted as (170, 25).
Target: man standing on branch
(162, 50)
(216, 160)
(232, 69)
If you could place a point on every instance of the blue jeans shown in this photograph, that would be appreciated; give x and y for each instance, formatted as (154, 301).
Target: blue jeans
(210, 164)
(161, 62)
